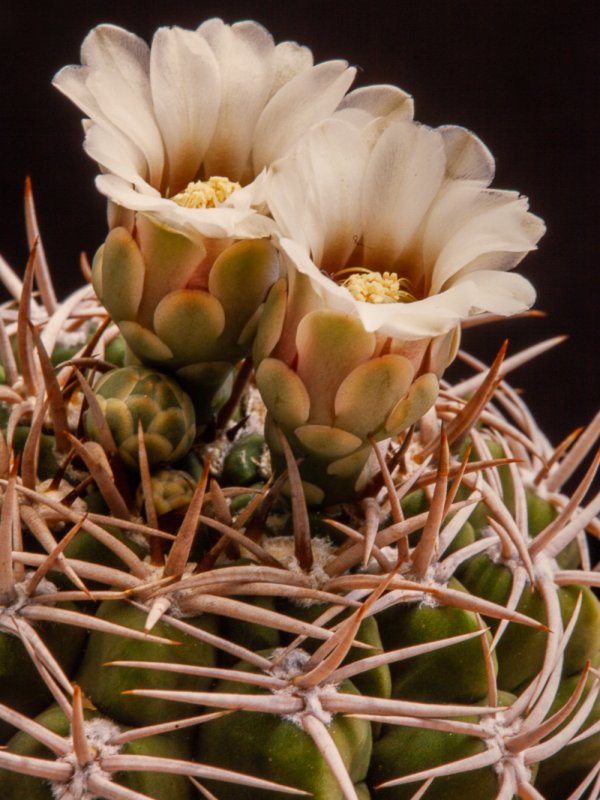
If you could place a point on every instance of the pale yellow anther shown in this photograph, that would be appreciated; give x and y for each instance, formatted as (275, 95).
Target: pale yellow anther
(206, 194)
(378, 287)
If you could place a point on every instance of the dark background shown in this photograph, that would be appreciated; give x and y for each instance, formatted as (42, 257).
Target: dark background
(522, 74)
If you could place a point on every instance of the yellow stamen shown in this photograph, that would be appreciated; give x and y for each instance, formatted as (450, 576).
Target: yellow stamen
(378, 287)
(206, 194)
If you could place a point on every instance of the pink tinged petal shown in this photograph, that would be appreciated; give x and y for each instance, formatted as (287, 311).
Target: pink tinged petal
(185, 86)
(466, 155)
(403, 176)
(310, 97)
(118, 80)
(245, 56)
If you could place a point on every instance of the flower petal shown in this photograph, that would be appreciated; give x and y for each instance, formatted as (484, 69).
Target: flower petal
(304, 101)
(468, 222)
(118, 64)
(466, 155)
(185, 86)
(501, 292)
(403, 176)
(246, 59)
(313, 195)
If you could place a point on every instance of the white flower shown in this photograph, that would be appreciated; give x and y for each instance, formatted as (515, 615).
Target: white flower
(415, 204)
(221, 102)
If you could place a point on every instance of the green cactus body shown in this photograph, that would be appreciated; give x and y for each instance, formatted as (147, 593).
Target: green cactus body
(521, 648)
(279, 750)
(403, 751)
(159, 786)
(374, 682)
(104, 684)
(453, 674)
(242, 466)
(21, 686)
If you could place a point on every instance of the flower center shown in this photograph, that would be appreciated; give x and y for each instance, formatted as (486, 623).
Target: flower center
(206, 194)
(376, 287)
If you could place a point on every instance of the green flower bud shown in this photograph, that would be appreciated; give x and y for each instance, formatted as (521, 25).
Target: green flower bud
(131, 395)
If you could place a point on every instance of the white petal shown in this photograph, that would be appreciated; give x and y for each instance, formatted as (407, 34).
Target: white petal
(118, 79)
(217, 223)
(501, 292)
(313, 194)
(470, 223)
(185, 86)
(466, 155)
(290, 60)
(363, 105)
(246, 59)
(115, 153)
(310, 97)
(403, 176)
(430, 317)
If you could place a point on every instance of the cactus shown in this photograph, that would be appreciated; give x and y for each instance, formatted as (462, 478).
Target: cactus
(283, 555)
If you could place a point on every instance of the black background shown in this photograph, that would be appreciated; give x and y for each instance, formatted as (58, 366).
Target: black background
(522, 75)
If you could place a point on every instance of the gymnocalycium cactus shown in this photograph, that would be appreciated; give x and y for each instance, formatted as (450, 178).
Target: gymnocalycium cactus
(253, 543)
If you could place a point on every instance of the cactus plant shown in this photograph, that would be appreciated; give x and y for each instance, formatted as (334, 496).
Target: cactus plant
(353, 578)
